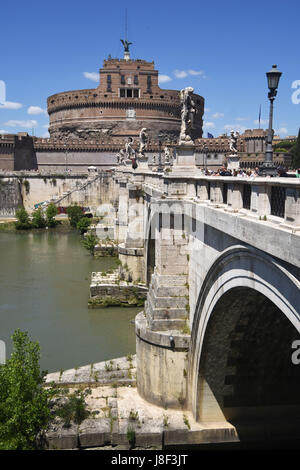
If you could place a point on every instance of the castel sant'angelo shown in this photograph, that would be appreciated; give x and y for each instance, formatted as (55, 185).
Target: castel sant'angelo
(93, 126)
(127, 99)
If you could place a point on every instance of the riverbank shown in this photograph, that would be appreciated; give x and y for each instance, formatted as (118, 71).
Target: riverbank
(63, 226)
(121, 419)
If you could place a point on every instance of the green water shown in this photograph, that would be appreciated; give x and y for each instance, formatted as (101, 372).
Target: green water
(44, 289)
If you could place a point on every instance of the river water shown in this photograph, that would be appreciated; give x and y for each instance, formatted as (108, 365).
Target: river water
(44, 289)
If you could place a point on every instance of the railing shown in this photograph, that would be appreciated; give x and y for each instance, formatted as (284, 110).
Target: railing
(264, 198)
(246, 196)
(278, 195)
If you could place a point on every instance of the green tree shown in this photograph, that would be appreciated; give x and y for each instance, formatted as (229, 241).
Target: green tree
(51, 212)
(83, 224)
(89, 242)
(38, 219)
(24, 410)
(23, 222)
(74, 215)
(295, 151)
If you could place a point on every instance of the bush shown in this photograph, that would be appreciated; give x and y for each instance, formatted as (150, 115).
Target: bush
(89, 242)
(24, 410)
(23, 222)
(83, 224)
(74, 409)
(27, 186)
(51, 212)
(74, 214)
(38, 219)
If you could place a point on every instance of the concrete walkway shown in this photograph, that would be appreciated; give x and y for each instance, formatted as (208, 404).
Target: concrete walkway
(121, 419)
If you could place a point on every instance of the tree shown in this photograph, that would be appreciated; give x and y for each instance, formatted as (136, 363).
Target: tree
(38, 219)
(89, 242)
(23, 222)
(51, 212)
(74, 214)
(295, 151)
(24, 410)
(83, 224)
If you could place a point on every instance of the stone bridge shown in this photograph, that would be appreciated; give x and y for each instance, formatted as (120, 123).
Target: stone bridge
(221, 258)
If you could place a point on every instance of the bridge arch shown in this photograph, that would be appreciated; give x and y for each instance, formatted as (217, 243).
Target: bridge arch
(246, 319)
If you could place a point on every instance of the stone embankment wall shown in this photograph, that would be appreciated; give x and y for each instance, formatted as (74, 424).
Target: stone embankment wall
(10, 196)
(29, 189)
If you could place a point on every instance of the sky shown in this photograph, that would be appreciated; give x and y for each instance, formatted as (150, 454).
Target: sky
(222, 49)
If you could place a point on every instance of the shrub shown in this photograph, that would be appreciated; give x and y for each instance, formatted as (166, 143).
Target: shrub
(23, 222)
(38, 219)
(27, 186)
(51, 212)
(74, 214)
(83, 224)
(89, 242)
(74, 409)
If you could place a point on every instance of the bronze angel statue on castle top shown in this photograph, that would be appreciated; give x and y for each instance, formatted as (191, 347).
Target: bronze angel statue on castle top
(126, 44)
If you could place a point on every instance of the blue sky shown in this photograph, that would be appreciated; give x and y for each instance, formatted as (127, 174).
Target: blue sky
(221, 48)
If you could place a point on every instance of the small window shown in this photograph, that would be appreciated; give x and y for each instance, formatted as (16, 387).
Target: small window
(122, 92)
(149, 83)
(123, 79)
(129, 92)
(136, 80)
(136, 93)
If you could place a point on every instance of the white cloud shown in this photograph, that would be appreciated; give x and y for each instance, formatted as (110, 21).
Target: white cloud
(180, 73)
(26, 124)
(3, 131)
(94, 76)
(242, 119)
(206, 110)
(195, 72)
(36, 110)
(45, 126)
(46, 135)
(209, 125)
(185, 73)
(235, 127)
(217, 115)
(262, 121)
(281, 130)
(164, 78)
(11, 105)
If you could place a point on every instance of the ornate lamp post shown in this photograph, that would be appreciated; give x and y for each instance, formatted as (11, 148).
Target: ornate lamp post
(268, 168)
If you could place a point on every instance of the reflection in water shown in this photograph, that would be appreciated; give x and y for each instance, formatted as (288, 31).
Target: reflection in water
(44, 289)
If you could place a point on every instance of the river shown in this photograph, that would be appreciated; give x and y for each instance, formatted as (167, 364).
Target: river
(44, 289)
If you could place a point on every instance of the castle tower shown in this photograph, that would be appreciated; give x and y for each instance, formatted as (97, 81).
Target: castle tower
(127, 99)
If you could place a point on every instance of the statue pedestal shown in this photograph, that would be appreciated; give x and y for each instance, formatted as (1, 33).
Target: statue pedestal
(233, 162)
(142, 162)
(185, 162)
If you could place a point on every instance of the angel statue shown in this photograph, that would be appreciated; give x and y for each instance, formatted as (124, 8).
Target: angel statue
(126, 44)
(233, 142)
(143, 142)
(121, 156)
(167, 155)
(188, 111)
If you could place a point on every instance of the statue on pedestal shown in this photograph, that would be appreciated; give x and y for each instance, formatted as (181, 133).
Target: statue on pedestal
(143, 142)
(166, 155)
(233, 142)
(188, 111)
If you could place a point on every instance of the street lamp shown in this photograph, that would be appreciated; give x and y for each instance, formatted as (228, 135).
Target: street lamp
(268, 168)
